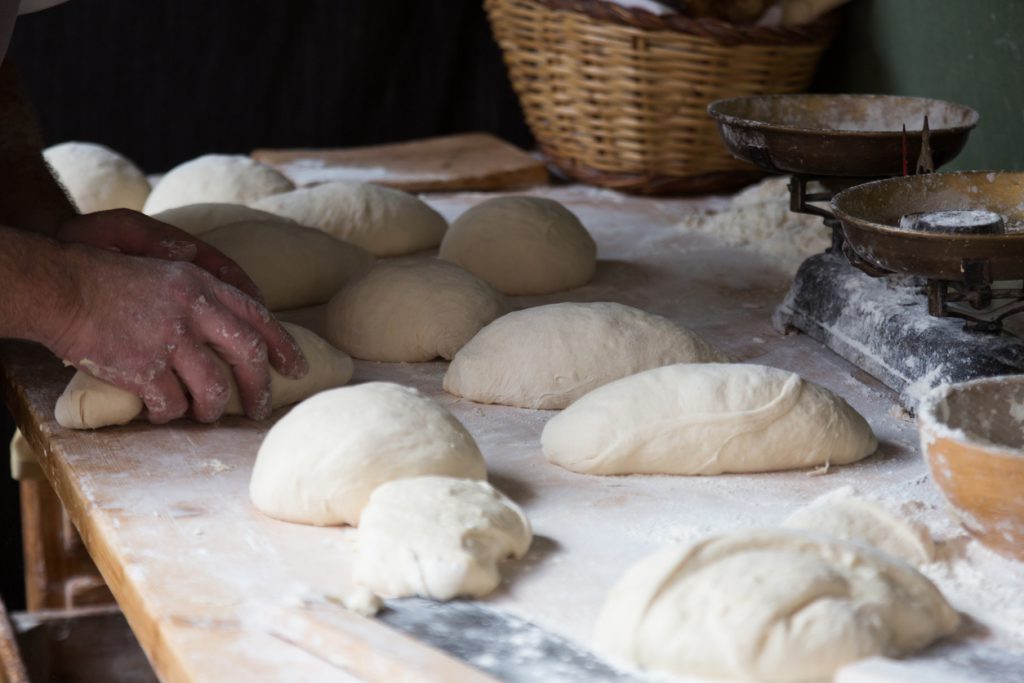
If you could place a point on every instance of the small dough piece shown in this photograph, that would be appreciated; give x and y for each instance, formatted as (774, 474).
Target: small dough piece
(853, 518)
(228, 178)
(411, 310)
(383, 221)
(522, 245)
(320, 462)
(438, 538)
(91, 403)
(97, 177)
(548, 356)
(293, 266)
(197, 219)
(772, 606)
(707, 419)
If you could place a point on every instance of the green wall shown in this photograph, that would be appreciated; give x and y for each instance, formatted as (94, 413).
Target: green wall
(968, 51)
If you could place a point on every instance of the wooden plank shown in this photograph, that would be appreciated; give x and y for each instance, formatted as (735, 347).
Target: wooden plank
(467, 161)
(12, 668)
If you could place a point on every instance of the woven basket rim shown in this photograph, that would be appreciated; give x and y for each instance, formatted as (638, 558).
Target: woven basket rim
(718, 30)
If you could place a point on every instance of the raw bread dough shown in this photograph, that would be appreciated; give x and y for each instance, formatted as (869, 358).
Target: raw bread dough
(548, 356)
(522, 245)
(772, 606)
(90, 403)
(97, 177)
(852, 518)
(196, 219)
(229, 178)
(411, 310)
(293, 266)
(706, 419)
(438, 538)
(383, 221)
(320, 462)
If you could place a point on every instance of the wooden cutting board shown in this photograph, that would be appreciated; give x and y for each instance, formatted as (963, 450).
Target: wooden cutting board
(467, 161)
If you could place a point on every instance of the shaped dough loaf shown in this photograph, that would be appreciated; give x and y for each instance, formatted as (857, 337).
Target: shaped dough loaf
(90, 403)
(771, 606)
(320, 462)
(548, 356)
(383, 221)
(411, 310)
(437, 537)
(706, 419)
(228, 178)
(97, 177)
(197, 219)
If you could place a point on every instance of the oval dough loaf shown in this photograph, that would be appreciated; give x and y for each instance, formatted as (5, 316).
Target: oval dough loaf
(383, 221)
(97, 177)
(228, 178)
(293, 266)
(438, 538)
(90, 403)
(706, 419)
(548, 356)
(320, 463)
(411, 310)
(522, 245)
(772, 606)
(196, 219)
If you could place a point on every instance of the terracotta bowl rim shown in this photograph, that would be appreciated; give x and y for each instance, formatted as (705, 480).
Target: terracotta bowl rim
(928, 421)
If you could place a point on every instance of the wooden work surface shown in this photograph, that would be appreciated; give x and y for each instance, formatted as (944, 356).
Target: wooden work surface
(216, 592)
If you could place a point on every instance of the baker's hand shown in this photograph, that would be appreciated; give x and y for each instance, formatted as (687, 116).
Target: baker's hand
(136, 234)
(152, 327)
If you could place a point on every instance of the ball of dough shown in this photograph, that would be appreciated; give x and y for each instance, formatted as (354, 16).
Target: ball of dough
(293, 266)
(772, 606)
(228, 178)
(383, 221)
(91, 403)
(706, 419)
(522, 245)
(320, 463)
(438, 538)
(548, 356)
(853, 518)
(97, 177)
(411, 310)
(197, 219)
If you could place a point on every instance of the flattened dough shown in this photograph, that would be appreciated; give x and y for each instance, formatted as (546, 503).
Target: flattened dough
(97, 177)
(228, 178)
(197, 219)
(411, 310)
(548, 356)
(706, 419)
(383, 221)
(771, 606)
(320, 462)
(522, 245)
(438, 538)
(293, 266)
(90, 403)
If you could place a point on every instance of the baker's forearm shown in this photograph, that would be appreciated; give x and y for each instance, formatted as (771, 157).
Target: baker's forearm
(39, 294)
(31, 198)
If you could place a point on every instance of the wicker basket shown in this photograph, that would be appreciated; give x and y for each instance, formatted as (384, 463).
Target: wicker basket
(617, 97)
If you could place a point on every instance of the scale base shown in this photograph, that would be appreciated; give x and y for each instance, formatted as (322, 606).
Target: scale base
(882, 326)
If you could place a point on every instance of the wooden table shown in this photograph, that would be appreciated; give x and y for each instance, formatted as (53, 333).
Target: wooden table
(214, 591)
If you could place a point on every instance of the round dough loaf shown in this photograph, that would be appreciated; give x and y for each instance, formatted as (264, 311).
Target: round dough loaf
(438, 538)
(293, 266)
(522, 245)
(320, 463)
(548, 356)
(852, 518)
(383, 221)
(196, 219)
(411, 310)
(706, 419)
(228, 178)
(90, 403)
(772, 606)
(97, 177)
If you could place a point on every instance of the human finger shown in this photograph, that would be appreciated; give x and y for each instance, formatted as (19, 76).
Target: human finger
(205, 378)
(241, 347)
(284, 354)
(164, 398)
